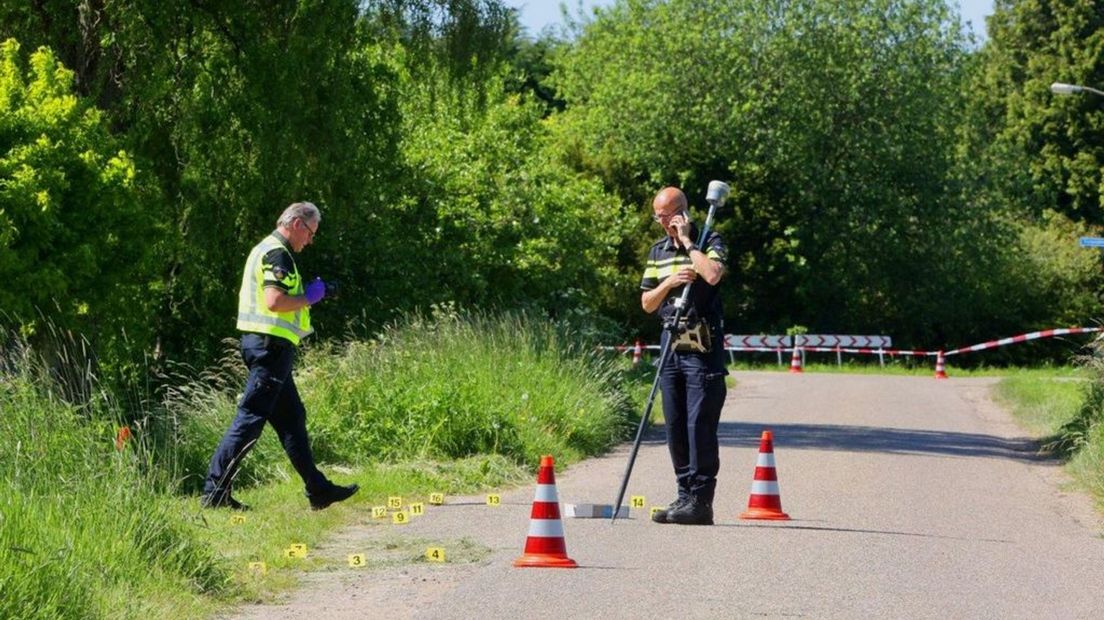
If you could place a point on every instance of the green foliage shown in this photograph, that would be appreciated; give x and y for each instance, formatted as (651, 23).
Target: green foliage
(72, 212)
(832, 121)
(1042, 151)
(507, 223)
(456, 386)
(84, 531)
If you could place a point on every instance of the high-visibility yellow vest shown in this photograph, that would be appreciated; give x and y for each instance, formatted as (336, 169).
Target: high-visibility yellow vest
(253, 313)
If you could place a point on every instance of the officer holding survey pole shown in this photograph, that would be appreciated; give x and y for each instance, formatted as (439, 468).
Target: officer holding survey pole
(693, 379)
(274, 316)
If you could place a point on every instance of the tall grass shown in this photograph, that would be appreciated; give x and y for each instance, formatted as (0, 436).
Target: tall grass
(1081, 439)
(458, 385)
(86, 530)
(192, 411)
(450, 403)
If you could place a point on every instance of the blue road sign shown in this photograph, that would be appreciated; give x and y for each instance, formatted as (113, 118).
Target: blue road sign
(1092, 242)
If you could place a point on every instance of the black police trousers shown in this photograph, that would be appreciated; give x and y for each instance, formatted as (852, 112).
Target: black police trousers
(270, 396)
(693, 388)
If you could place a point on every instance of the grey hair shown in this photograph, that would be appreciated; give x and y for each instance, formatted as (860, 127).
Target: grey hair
(305, 211)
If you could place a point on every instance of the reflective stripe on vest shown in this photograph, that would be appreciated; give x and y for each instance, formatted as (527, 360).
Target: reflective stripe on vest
(254, 315)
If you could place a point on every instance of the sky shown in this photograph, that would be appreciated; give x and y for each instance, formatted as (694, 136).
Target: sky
(536, 14)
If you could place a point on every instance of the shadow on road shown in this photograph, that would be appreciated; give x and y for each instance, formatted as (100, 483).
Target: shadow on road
(877, 439)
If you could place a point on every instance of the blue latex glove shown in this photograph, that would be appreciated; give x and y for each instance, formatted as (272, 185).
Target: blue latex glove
(316, 290)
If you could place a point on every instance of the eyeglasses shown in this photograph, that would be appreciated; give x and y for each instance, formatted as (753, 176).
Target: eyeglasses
(311, 231)
(660, 217)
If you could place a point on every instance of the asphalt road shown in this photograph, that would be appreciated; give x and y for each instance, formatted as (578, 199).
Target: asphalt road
(909, 498)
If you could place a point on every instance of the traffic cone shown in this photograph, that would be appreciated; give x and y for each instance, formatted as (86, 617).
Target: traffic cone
(795, 361)
(545, 545)
(940, 372)
(637, 351)
(764, 501)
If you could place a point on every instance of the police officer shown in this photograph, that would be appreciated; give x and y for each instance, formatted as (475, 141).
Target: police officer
(693, 378)
(274, 314)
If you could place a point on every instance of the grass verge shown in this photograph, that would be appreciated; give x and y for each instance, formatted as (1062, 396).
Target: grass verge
(453, 404)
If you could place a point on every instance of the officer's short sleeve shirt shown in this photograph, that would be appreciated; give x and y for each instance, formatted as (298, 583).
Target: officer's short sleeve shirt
(279, 268)
(665, 258)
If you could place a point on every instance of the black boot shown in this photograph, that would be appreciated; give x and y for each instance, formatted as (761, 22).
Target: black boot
(693, 512)
(334, 493)
(660, 516)
(222, 500)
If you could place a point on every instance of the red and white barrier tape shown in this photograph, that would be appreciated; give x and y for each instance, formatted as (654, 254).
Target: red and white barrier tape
(1046, 333)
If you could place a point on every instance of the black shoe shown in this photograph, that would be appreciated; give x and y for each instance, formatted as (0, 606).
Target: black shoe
(693, 512)
(222, 500)
(661, 515)
(335, 493)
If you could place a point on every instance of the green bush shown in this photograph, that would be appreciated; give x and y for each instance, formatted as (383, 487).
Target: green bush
(75, 220)
(85, 530)
(454, 386)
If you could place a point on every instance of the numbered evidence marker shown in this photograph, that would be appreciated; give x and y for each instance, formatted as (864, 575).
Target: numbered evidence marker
(436, 499)
(400, 518)
(636, 501)
(296, 550)
(258, 567)
(356, 560)
(417, 509)
(493, 500)
(654, 510)
(435, 554)
(237, 519)
(379, 512)
(394, 502)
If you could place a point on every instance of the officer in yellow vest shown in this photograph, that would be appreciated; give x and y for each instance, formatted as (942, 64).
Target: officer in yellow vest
(274, 314)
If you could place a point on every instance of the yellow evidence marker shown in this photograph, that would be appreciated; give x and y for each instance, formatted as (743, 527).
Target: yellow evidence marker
(258, 567)
(435, 554)
(296, 550)
(237, 519)
(379, 512)
(356, 560)
(436, 499)
(400, 518)
(417, 509)
(493, 500)
(636, 501)
(654, 510)
(394, 502)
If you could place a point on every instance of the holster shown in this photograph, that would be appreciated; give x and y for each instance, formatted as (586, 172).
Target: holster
(692, 336)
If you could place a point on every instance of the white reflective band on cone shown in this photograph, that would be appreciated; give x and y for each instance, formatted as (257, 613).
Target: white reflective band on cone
(766, 459)
(764, 487)
(546, 493)
(546, 528)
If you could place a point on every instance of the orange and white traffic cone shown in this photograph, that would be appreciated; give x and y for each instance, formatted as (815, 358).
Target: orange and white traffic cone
(940, 371)
(795, 361)
(764, 501)
(638, 350)
(545, 545)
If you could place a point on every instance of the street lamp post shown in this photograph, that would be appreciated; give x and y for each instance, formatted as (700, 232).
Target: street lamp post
(1059, 88)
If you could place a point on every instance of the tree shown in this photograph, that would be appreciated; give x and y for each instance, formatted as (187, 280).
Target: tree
(1043, 151)
(833, 121)
(73, 209)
